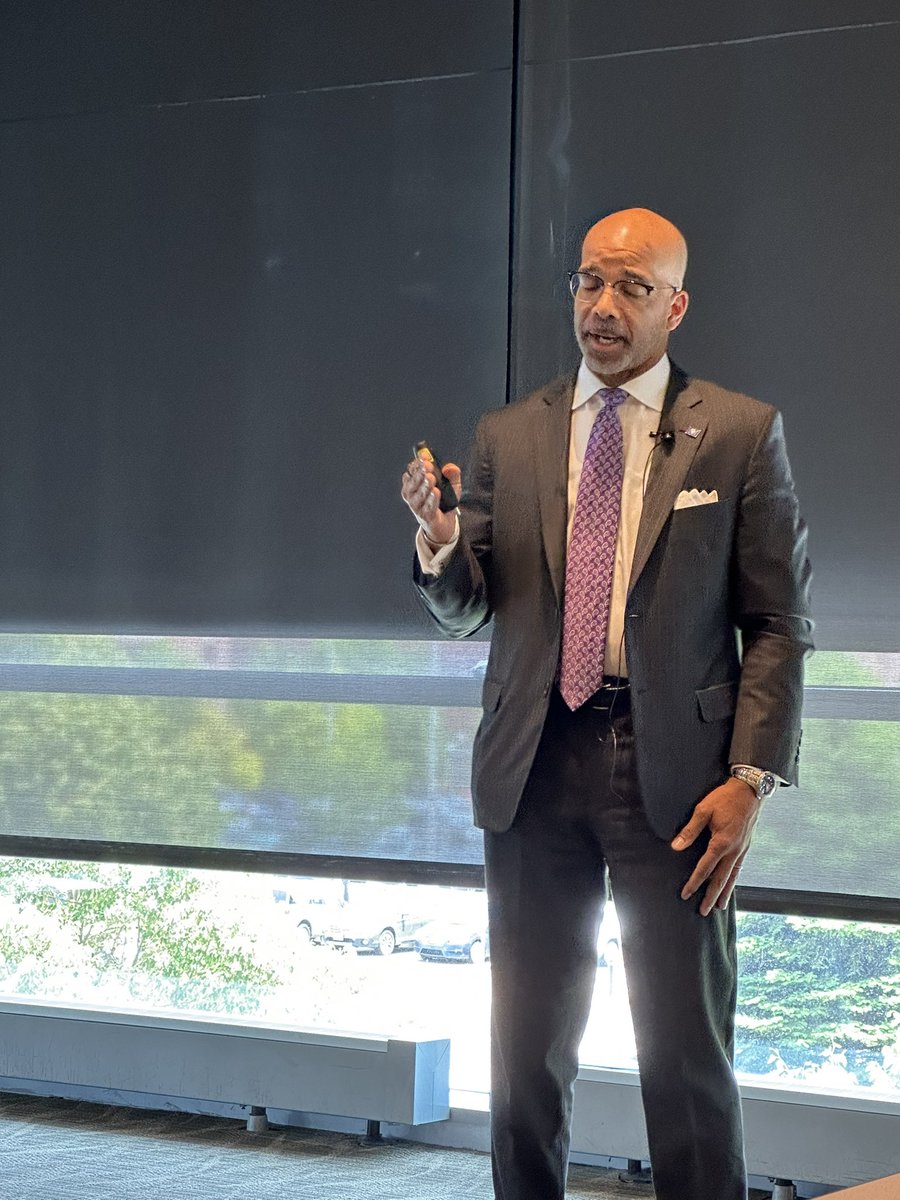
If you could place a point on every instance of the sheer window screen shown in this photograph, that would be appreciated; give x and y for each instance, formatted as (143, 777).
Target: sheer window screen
(242, 751)
(333, 756)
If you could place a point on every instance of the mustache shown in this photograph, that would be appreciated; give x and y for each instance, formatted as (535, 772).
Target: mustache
(602, 330)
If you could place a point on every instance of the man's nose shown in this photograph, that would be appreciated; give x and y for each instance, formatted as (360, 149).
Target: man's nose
(606, 301)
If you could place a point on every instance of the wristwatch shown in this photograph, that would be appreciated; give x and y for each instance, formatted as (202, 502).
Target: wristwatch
(763, 783)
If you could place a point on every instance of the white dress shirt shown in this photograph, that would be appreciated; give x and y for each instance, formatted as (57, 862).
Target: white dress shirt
(639, 417)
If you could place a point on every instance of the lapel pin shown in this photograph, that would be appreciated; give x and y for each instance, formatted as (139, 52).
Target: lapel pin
(692, 431)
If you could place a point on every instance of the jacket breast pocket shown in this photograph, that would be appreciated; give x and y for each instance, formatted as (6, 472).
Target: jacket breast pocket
(702, 531)
(718, 702)
(701, 519)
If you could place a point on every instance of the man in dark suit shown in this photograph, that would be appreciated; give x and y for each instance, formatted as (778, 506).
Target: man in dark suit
(635, 537)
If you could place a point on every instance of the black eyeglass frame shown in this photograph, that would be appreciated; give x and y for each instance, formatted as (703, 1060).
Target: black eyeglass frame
(617, 286)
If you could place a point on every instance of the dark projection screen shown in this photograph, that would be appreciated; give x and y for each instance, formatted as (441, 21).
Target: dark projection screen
(236, 288)
(768, 138)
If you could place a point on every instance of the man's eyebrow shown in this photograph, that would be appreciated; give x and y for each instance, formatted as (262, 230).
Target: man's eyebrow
(624, 273)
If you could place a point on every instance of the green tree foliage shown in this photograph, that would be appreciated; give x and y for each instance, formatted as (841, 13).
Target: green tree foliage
(162, 939)
(812, 988)
(202, 771)
(846, 805)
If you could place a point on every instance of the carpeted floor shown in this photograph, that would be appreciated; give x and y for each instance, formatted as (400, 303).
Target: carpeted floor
(72, 1150)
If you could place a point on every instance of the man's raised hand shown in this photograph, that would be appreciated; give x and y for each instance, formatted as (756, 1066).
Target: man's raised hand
(420, 492)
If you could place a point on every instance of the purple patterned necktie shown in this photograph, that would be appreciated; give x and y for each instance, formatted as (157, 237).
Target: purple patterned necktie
(592, 551)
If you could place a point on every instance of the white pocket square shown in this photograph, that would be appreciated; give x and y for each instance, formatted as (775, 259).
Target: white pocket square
(694, 497)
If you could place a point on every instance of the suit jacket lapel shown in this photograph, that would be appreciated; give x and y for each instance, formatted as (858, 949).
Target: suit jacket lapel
(682, 410)
(550, 445)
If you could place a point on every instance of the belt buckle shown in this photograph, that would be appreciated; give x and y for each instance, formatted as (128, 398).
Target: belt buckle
(612, 690)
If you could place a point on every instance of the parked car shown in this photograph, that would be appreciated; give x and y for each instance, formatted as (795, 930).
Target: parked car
(454, 941)
(460, 933)
(380, 917)
(308, 903)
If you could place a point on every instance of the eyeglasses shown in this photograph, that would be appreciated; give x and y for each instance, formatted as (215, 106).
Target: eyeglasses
(588, 288)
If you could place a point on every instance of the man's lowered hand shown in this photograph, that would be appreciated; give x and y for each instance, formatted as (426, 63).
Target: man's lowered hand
(730, 812)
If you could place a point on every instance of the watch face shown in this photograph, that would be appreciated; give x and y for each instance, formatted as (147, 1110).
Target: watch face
(763, 783)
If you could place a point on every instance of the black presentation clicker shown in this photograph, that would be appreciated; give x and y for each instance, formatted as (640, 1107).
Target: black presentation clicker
(449, 499)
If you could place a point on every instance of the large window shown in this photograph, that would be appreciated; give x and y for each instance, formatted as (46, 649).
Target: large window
(352, 955)
(817, 1007)
(329, 764)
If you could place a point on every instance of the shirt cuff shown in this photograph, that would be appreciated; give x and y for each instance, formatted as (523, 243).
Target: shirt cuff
(431, 561)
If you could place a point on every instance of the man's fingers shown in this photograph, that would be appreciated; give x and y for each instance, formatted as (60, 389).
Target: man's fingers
(730, 884)
(418, 489)
(700, 874)
(730, 821)
(715, 889)
(726, 892)
(454, 475)
(722, 876)
(695, 826)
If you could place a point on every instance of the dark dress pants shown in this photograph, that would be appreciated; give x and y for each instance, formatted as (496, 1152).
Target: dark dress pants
(581, 816)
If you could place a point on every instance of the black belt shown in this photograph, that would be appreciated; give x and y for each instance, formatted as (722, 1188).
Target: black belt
(613, 694)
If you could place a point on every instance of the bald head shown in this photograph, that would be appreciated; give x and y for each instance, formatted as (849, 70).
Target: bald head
(641, 232)
(622, 332)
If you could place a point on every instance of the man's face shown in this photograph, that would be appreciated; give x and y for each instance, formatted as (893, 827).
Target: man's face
(621, 337)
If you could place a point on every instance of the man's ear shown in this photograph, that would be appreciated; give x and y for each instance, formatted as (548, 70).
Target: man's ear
(677, 310)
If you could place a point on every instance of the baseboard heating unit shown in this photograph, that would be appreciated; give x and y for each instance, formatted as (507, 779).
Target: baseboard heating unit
(255, 1065)
(817, 1136)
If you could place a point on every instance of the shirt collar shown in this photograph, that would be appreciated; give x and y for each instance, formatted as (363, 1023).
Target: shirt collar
(649, 388)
